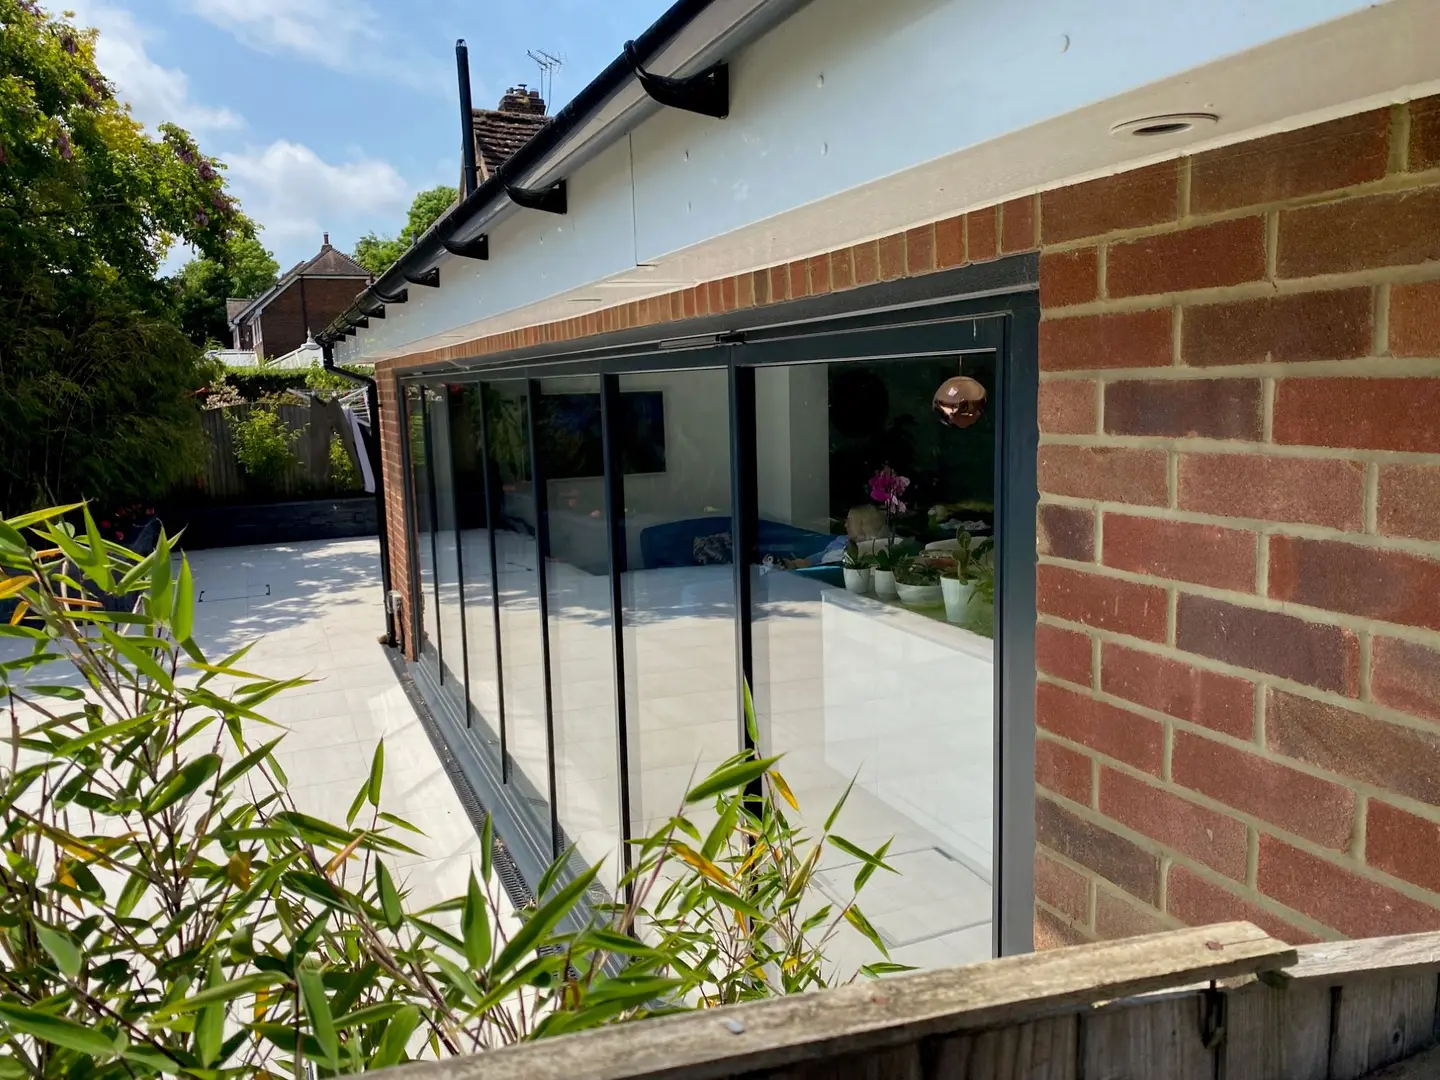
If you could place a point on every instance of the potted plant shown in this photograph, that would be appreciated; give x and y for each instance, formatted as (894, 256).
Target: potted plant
(980, 608)
(858, 569)
(886, 487)
(958, 584)
(917, 582)
(885, 560)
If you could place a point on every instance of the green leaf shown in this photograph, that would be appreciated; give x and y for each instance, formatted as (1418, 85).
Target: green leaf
(553, 872)
(371, 1014)
(840, 805)
(389, 897)
(475, 925)
(487, 846)
(884, 967)
(397, 1036)
(722, 830)
(130, 895)
(160, 592)
(377, 773)
(101, 734)
(857, 852)
(182, 622)
(67, 693)
(184, 781)
(730, 778)
(57, 1031)
(210, 1024)
(400, 822)
(542, 922)
(735, 903)
(317, 888)
(457, 977)
(144, 663)
(356, 803)
(856, 919)
(751, 727)
(220, 993)
(62, 950)
(248, 762)
(870, 867)
(100, 565)
(317, 1008)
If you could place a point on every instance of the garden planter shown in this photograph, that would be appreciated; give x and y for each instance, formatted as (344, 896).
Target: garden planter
(857, 580)
(957, 598)
(885, 584)
(919, 595)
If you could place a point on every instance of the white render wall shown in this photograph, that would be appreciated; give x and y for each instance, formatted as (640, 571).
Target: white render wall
(855, 118)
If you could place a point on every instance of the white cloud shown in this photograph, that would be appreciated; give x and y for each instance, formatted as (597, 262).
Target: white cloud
(296, 196)
(154, 93)
(343, 35)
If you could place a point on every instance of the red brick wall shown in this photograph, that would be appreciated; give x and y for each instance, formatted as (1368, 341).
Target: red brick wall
(1239, 530)
(1239, 581)
(397, 519)
(285, 324)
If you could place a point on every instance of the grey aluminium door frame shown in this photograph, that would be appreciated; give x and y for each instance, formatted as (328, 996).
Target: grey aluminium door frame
(919, 317)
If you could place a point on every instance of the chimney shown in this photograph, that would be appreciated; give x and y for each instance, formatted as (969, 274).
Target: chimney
(521, 99)
(326, 243)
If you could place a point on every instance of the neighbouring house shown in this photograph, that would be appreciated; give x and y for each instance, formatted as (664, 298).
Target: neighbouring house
(1145, 295)
(499, 132)
(306, 299)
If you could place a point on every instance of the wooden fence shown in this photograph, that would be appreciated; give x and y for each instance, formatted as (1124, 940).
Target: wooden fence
(224, 479)
(1222, 1001)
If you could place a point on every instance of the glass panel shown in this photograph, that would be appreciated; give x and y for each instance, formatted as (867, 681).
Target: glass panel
(521, 650)
(582, 645)
(678, 586)
(448, 615)
(424, 524)
(473, 518)
(885, 674)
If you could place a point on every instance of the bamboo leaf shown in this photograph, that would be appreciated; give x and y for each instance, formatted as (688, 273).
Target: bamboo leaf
(397, 1036)
(65, 693)
(184, 781)
(857, 852)
(210, 1024)
(100, 561)
(487, 845)
(475, 925)
(248, 762)
(389, 897)
(12, 586)
(182, 621)
(698, 861)
(730, 778)
(219, 993)
(377, 774)
(356, 803)
(317, 1009)
(784, 789)
(540, 924)
(840, 805)
(57, 1031)
(62, 950)
(856, 919)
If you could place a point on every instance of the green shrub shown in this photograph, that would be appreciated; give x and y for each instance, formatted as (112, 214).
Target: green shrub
(254, 384)
(264, 445)
(166, 909)
(344, 476)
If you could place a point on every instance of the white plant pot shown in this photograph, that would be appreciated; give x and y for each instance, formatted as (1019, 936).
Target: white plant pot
(857, 580)
(957, 598)
(885, 584)
(919, 595)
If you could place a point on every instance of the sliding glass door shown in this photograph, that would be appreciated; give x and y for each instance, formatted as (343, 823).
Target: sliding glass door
(845, 519)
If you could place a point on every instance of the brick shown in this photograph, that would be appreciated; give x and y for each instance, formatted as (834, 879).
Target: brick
(1181, 551)
(1322, 157)
(1184, 408)
(982, 233)
(1310, 490)
(892, 256)
(761, 288)
(1116, 733)
(1403, 844)
(1333, 325)
(1123, 340)
(1391, 585)
(950, 242)
(1065, 654)
(1336, 896)
(1414, 319)
(1122, 607)
(1367, 414)
(1069, 277)
(1222, 703)
(1069, 407)
(1117, 918)
(1424, 134)
(1017, 225)
(1066, 532)
(1196, 901)
(1053, 932)
(1062, 888)
(920, 250)
(1183, 826)
(1300, 803)
(799, 281)
(842, 270)
(1327, 657)
(867, 263)
(1201, 257)
(1395, 229)
(1115, 474)
(819, 275)
(1129, 200)
(1406, 676)
(1113, 857)
(1394, 758)
(1062, 770)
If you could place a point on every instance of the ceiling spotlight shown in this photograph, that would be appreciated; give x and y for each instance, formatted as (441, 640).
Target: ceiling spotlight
(1149, 127)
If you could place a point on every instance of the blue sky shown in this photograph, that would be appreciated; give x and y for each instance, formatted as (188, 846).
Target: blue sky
(331, 114)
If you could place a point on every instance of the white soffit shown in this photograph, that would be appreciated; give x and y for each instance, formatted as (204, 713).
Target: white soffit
(1376, 56)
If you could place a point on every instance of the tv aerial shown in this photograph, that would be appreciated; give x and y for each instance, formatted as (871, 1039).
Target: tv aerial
(547, 64)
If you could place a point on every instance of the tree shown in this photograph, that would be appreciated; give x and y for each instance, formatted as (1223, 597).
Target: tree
(377, 253)
(94, 372)
(202, 286)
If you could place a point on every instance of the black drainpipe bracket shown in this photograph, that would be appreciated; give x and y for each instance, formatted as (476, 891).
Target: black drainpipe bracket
(551, 200)
(478, 248)
(706, 92)
(429, 278)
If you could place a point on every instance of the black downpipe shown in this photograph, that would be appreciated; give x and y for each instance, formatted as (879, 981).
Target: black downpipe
(471, 178)
(372, 402)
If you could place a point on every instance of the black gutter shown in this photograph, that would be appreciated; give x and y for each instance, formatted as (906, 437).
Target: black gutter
(372, 401)
(430, 246)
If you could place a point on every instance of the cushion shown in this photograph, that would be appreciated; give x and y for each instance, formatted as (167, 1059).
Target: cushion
(716, 548)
